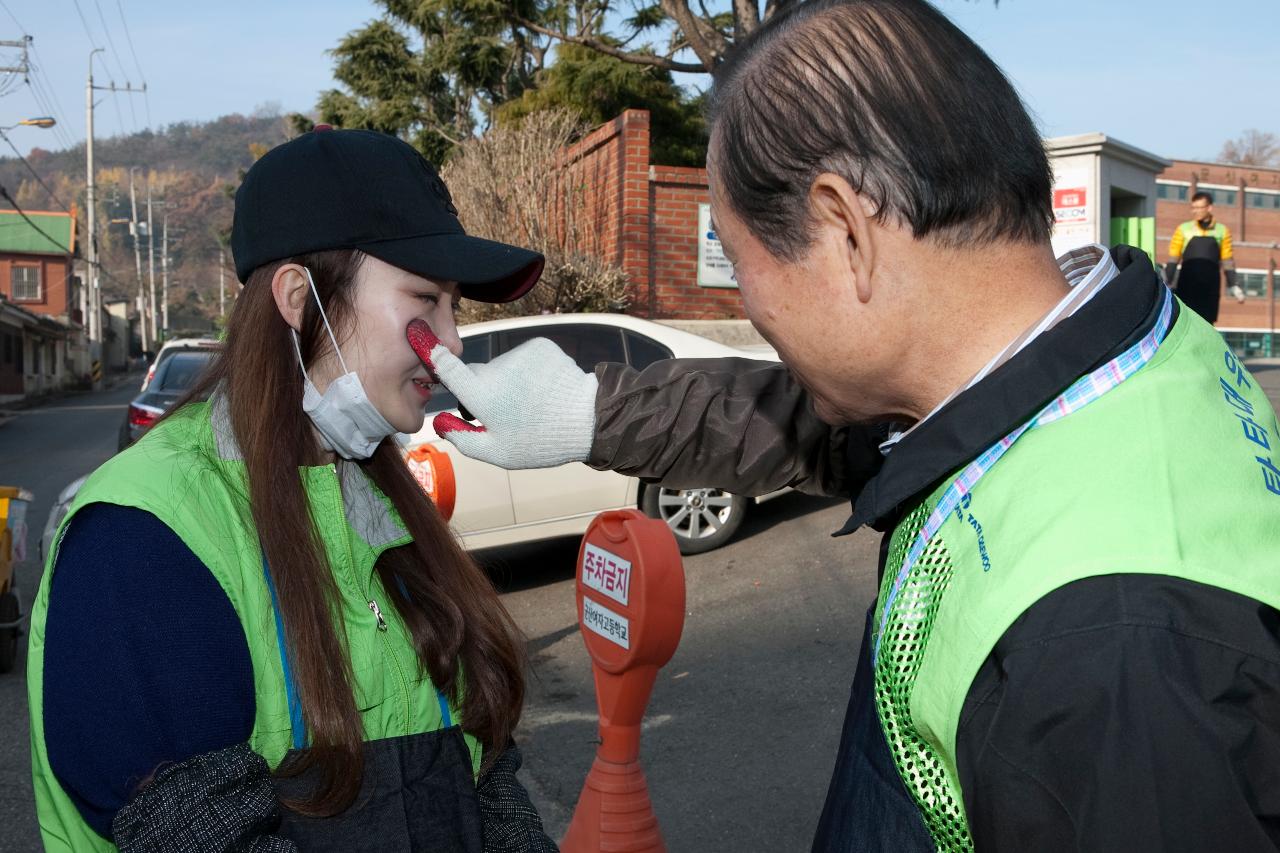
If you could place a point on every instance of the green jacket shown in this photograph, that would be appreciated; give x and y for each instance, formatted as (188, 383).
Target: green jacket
(1141, 505)
(188, 472)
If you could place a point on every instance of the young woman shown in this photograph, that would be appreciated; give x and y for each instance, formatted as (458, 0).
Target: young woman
(255, 632)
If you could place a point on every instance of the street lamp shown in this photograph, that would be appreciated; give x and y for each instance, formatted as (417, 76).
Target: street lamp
(39, 121)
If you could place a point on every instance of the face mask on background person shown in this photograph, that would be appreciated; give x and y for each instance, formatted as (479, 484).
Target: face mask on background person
(348, 422)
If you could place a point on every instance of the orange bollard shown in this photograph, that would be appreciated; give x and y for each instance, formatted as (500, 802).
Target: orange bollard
(433, 469)
(630, 594)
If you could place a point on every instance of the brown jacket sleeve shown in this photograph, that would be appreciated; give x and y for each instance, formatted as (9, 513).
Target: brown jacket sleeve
(737, 424)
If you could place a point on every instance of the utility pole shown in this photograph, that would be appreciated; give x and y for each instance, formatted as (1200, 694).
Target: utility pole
(95, 293)
(151, 264)
(164, 271)
(95, 334)
(137, 259)
(24, 65)
(222, 281)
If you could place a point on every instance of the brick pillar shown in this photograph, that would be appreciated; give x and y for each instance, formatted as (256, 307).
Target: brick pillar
(636, 224)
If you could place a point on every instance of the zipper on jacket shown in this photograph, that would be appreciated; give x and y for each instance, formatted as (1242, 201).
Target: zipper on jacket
(382, 623)
(363, 585)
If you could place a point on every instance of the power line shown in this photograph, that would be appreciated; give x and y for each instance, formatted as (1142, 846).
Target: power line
(13, 75)
(21, 28)
(40, 94)
(41, 91)
(136, 63)
(115, 54)
(92, 41)
(33, 172)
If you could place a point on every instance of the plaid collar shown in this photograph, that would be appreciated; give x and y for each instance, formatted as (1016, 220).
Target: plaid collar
(1118, 316)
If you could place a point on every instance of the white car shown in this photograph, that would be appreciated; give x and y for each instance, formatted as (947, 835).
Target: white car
(174, 346)
(498, 507)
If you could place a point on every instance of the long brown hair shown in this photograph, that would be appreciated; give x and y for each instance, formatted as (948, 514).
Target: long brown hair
(463, 636)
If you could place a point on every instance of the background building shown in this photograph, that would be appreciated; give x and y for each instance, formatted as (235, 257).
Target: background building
(41, 340)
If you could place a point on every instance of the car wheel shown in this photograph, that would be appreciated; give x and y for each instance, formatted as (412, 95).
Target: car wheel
(701, 519)
(9, 612)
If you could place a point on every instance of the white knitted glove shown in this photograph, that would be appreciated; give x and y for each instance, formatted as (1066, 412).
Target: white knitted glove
(537, 407)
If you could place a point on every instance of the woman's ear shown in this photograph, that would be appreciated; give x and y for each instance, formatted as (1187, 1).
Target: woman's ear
(291, 291)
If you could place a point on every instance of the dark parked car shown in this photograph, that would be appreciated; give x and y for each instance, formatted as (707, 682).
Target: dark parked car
(175, 376)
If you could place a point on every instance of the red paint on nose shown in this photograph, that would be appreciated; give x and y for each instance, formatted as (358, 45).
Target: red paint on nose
(422, 339)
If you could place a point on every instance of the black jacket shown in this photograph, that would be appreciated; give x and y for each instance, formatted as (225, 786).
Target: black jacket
(1126, 712)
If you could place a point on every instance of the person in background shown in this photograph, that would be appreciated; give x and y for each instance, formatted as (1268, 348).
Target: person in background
(1199, 252)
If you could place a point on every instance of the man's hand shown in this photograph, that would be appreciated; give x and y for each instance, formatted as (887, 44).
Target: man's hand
(536, 406)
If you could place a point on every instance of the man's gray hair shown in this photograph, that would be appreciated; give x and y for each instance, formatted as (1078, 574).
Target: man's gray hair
(894, 98)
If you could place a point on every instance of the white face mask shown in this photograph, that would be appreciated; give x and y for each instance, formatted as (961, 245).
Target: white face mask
(348, 422)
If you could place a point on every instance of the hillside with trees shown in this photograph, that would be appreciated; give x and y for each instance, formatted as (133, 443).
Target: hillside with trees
(192, 169)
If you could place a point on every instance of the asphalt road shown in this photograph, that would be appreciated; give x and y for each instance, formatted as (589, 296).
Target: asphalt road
(743, 723)
(42, 450)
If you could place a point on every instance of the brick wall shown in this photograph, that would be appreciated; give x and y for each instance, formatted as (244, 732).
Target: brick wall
(54, 282)
(645, 218)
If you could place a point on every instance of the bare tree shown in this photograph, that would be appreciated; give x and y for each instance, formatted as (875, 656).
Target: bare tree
(1252, 148)
(656, 32)
(516, 185)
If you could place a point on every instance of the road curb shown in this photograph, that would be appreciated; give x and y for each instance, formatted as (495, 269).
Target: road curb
(14, 408)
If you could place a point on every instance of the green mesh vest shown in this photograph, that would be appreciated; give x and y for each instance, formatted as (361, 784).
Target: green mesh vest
(188, 473)
(1176, 471)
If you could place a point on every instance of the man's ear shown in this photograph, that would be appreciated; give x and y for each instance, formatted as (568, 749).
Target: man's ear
(291, 291)
(844, 215)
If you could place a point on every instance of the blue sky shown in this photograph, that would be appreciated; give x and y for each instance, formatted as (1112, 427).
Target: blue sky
(1138, 70)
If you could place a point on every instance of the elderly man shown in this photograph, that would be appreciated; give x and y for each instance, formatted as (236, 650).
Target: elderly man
(1075, 644)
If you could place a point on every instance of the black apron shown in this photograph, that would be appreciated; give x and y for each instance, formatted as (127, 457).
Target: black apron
(417, 794)
(1199, 277)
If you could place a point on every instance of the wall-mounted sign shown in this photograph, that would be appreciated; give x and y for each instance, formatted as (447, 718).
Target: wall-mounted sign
(714, 269)
(1075, 207)
(1070, 205)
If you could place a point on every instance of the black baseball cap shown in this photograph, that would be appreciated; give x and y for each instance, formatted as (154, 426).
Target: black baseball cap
(358, 189)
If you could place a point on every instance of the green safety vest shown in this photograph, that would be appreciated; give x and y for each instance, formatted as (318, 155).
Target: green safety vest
(1166, 474)
(188, 472)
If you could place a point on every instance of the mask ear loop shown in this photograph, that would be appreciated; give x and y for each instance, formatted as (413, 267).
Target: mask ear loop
(327, 327)
(293, 339)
